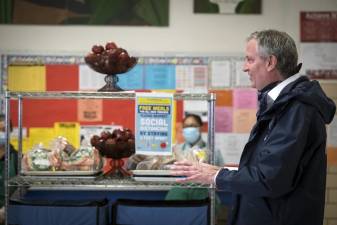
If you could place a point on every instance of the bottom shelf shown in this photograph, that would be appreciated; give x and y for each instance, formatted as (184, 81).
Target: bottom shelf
(95, 183)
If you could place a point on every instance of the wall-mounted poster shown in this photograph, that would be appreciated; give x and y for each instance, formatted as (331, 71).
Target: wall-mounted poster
(228, 6)
(319, 44)
(99, 12)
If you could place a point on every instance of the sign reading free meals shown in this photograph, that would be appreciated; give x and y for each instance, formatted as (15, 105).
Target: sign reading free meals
(153, 130)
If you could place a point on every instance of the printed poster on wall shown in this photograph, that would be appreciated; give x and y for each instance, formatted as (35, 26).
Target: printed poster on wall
(153, 121)
(319, 44)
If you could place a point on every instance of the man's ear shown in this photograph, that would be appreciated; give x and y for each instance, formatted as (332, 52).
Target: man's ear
(271, 63)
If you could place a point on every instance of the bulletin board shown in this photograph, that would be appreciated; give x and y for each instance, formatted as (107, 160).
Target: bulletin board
(236, 102)
(235, 110)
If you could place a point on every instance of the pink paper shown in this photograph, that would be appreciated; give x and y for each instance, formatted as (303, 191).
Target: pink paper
(223, 119)
(245, 98)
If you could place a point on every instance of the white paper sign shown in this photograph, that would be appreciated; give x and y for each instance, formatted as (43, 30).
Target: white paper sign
(221, 74)
(241, 77)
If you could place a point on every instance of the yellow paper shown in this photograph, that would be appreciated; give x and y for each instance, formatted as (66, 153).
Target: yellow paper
(25, 144)
(69, 130)
(39, 135)
(26, 78)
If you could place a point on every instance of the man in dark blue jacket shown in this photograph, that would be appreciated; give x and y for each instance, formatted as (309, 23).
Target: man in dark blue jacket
(282, 171)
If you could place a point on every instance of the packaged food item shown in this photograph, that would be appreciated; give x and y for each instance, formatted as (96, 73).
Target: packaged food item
(38, 159)
(62, 156)
(83, 159)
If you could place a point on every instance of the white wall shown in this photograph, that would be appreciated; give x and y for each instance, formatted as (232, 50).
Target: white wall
(187, 32)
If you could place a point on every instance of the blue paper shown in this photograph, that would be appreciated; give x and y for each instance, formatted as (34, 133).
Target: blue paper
(160, 77)
(133, 79)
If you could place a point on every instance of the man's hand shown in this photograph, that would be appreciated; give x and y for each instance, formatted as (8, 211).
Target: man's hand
(194, 172)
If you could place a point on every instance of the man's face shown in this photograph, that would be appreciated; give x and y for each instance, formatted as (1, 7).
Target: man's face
(255, 66)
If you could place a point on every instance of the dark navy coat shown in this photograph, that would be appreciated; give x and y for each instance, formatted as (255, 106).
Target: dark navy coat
(282, 171)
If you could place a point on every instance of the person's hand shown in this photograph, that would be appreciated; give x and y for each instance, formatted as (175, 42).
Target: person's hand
(194, 172)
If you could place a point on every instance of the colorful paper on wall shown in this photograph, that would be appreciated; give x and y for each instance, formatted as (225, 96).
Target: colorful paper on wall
(15, 132)
(27, 78)
(25, 144)
(223, 119)
(154, 123)
(191, 77)
(229, 147)
(319, 44)
(184, 77)
(199, 107)
(62, 77)
(241, 77)
(69, 130)
(90, 79)
(179, 133)
(220, 74)
(90, 110)
(332, 156)
(200, 76)
(245, 98)
(223, 97)
(243, 120)
(41, 135)
(160, 77)
(133, 79)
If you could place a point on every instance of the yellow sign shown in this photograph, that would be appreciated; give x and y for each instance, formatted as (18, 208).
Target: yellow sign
(69, 130)
(40, 135)
(159, 101)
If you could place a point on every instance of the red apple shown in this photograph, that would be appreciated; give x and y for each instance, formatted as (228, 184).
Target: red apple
(110, 45)
(97, 49)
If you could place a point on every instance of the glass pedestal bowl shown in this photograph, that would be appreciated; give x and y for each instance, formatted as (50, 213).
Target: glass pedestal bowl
(110, 62)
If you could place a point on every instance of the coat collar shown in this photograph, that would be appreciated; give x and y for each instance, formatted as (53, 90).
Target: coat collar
(275, 92)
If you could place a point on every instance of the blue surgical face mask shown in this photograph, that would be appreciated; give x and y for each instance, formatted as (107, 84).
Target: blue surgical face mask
(191, 134)
(2, 139)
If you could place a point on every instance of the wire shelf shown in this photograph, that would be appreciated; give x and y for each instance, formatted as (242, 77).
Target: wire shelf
(100, 95)
(96, 183)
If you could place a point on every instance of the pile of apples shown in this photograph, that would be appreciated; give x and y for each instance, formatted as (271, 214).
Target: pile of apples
(109, 59)
(118, 144)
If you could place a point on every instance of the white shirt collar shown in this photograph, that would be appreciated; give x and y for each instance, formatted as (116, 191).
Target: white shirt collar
(275, 92)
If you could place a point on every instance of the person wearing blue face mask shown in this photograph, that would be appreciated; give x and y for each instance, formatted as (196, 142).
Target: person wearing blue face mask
(193, 149)
(13, 164)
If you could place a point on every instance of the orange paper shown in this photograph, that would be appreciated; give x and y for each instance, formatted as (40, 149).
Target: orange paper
(223, 97)
(332, 156)
(89, 110)
(243, 120)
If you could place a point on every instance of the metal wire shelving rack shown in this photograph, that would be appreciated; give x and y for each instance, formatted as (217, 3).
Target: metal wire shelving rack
(98, 182)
